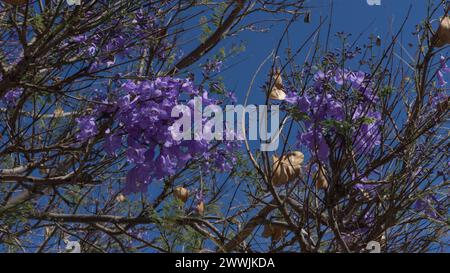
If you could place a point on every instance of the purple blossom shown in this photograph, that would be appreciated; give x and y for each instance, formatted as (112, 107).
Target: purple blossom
(80, 38)
(430, 206)
(112, 142)
(87, 128)
(443, 69)
(326, 109)
(369, 190)
(315, 141)
(143, 114)
(291, 98)
(199, 197)
(212, 66)
(12, 96)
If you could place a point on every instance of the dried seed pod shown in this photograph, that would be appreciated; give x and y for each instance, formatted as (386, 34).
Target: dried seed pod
(181, 193)
(277, 91)
(48, 231)
(59, 112)
(321, 179)
(366, 194)
(382, 240)
(200, 208)
(286, 168)
(443, 106)
(15, 2)
(267, 232)
(278, 79)
(442, 36)
(277, 94)
(44, 171)
(276, 232)
(121, 198)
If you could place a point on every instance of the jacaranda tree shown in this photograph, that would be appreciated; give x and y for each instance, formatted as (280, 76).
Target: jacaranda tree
(88, 152)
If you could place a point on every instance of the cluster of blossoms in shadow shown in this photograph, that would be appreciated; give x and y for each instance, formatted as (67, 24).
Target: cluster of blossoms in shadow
(341, 117)
(108, 45)
(338, 110)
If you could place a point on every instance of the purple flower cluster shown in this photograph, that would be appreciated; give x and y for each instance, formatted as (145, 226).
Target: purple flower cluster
(429, 205)
(212, 66)
(12, 96)
(356, 228)
(441, 96)
(144, 22)
(87, 126)
(143, 117)
(110, 43)
(340, 100)
(443, 69)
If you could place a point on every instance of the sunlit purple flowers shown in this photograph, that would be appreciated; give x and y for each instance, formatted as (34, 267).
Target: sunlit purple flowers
(142, 119)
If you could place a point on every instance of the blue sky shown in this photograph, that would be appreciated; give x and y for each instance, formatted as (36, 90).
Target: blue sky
(351, 16)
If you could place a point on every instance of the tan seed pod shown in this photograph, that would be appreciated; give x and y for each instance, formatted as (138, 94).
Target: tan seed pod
(200, 208)
(278, 233)
(48, 231)
(382, 240)
(121, 198)
(181, 194)
(278, 79)
(274, 231)
(267, 232)
(442, 35)
(277, 91)
(443, 106)
(59, 112)
(321, 179)
(44, 171)
(277, 94)
(286, 168)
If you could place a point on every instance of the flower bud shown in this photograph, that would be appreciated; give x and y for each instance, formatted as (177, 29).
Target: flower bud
(181, 193)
